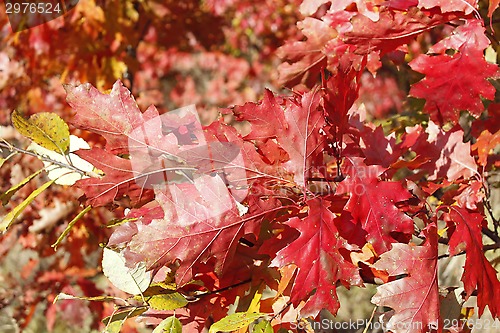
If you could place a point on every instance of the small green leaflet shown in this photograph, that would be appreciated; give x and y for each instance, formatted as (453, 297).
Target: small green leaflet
(235, 321)
(169, 325)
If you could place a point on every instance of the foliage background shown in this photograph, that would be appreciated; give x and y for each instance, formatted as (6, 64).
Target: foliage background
(169, 53)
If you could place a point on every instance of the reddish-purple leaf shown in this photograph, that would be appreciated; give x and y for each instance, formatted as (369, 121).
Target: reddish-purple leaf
(465, 6)
(393, 29)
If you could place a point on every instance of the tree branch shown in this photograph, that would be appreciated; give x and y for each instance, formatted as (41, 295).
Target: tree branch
(485, 248)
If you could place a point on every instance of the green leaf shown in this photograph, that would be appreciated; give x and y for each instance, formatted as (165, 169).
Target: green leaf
(70, 225)
(5, 196)
(9, 219)
(114, 327)
(45, 128)
(235, 321)
(123, 314)
(263, 326)
(169, 325)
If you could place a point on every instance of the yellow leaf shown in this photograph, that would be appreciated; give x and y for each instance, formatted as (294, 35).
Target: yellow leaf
(63, 296)
(169, 325)
(160, 298)
(124, 313)
(45, 128)
(235, 321)
(263, 327)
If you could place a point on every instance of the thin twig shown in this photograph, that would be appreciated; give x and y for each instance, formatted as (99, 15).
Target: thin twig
(485, 248)
(491, 234)
(43, 158)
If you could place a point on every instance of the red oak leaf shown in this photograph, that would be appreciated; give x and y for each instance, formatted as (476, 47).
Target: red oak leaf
(471, 195)
(201, 222)
(309, 7)
(466, 6)
(442, 154)
(393, 29)
(456, 82)
(317, 252)
(340, 93)
(372, 204)
(378, 148)
(485, 145)
(119, 181)
(302, 138)
(492, 7)
(114, 115)
(266, 117)
(306, 58)
(295, 123)
(478, 273)
(415, 297)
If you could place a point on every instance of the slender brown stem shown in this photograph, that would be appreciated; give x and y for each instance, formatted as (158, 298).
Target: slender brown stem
(485, 248)
(43, 158)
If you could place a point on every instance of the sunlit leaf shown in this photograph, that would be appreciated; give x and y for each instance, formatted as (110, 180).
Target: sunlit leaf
(169, 325)
(70, 225)
(46, 129)
(130, 280)
(235, 321)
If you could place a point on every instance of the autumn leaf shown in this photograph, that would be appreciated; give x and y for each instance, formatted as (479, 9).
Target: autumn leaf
(114, 115)
(44, 128)
(465, 6)
(118, 182)
(414, 297)
(442, 154)
(201, 222)
(446, 96)
(372, 204)
(393, 29)
(295, 123)
(317, 253)
(478, 274)
(485, 145)
(306, 58)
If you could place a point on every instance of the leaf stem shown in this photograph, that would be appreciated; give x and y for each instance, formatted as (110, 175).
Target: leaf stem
(43, 158)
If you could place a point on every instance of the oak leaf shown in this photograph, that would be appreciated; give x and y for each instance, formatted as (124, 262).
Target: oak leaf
(478, 274)
(372, 204)
(415, 297)
(445, 94)
(317, 253)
